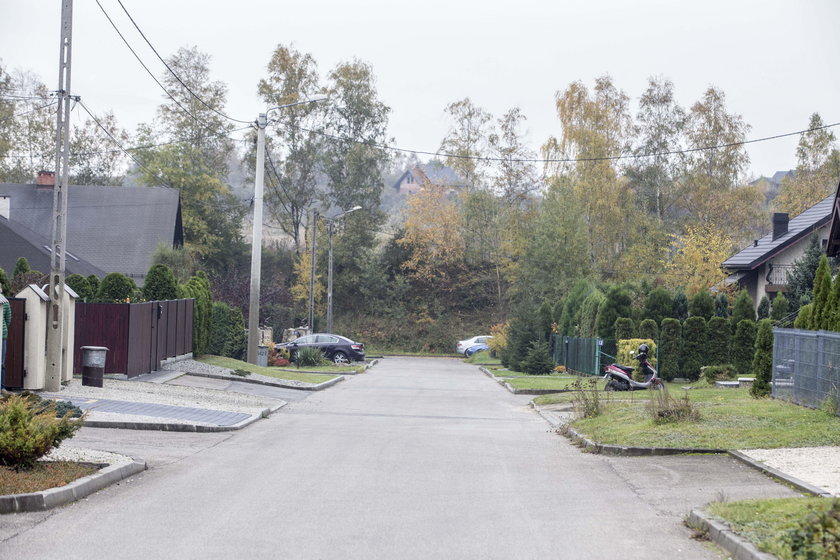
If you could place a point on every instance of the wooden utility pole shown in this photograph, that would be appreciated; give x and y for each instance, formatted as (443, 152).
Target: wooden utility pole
(57, 322)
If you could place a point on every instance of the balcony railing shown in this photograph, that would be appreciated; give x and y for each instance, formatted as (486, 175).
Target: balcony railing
(778, 274)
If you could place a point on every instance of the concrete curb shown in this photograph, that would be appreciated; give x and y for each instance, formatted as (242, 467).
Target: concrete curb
(76, 490)
(800, 485)
(629, 451)
(279, 383)
(720, 533)
(182, 427)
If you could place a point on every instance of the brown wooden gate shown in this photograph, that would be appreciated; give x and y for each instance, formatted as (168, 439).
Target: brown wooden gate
(15, 344)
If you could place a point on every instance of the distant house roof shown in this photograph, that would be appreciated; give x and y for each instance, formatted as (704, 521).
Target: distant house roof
(434, 172)
(115, 229)
(18, 241)
(766, 248)
(833, 247)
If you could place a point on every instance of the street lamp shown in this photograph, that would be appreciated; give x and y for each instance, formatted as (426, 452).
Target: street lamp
(256, 240)
(330, 222)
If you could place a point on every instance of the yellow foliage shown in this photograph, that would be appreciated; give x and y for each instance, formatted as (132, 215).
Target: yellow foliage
(300, 288)
(499, 340)
(697, 259)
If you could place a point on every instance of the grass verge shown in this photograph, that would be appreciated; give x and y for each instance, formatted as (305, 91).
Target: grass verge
(278, 372)
(766, 523)
(484, 359)
(728, 419)
(45, 475)
(543, 382)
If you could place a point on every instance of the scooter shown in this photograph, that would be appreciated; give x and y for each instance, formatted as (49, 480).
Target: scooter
(620, 378)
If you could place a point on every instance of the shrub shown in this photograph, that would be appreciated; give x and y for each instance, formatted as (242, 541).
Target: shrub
(588, 313)
(780, 309)
(81, 286)
(309, 356)
(743, 346)
(763, 310)
(670, 349)
(743, 308)
(116, 288)
(587, 398)
(803, 319)
(236, 345)
(658, 305)
(718, 339)
(762, 368)
(817, 535)
(680, 309)
(694, 346)
(160, 284)
(28, 432)
(497, 344)
(617, 303)
(278, 358)
(624, 328)
(538, 359)
(664, 409)
(702, 305)
(723, 372)
(648, 329)
(522, 331)
(822, 289)
(722, 305)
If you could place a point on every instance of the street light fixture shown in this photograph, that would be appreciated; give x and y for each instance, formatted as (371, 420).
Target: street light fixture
(330, 222)
(256, 240)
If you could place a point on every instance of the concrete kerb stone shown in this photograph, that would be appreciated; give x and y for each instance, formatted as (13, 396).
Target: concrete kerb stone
(183, 427)
(279, 383)
(800, 485)
(631, 451)
(720, 533)
(76, 490)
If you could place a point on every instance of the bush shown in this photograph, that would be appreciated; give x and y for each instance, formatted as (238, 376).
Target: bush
(762, 368)
(718, 340)
(780, 309)
(702, 305)
(722, 305)
(538, 359)
(587, 398)
(694, 347)
(723, 372)
(28, 431)
(670, 349)
(624, 328)
(659, 305)
(803, 319)
(498, 343)
(236, 345)
(309, 356)
(116, 288)
(664, 409)
(160, 284)
(743, 346)
(680, 309)
(816, 536)
(743, 308)
(648, 329)
(617, 303)
(81, 286)
(763, 311)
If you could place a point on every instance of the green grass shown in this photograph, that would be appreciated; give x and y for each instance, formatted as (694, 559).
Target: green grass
(277, 372)
(483, 358)
(729, 419)
(764, 522)
(543, 382)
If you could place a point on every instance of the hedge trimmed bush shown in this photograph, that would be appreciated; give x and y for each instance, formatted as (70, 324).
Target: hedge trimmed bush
(694, 347)
(743, 346)
(29, 431)
(670, 349)
(762, 368)
(648, 329)
(718, 339)
(624, 328)
(116, 288)
(723, 372)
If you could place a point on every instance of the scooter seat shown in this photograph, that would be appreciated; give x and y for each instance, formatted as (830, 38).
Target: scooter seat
(625, 369)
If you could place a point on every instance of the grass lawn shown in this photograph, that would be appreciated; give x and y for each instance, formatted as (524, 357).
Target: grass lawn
(44, 475)
(766, 522)
(306, 375)
(729, 419)
(484, 359)
(543, 382)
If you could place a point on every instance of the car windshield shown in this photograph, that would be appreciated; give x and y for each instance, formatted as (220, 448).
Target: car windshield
(305, 340)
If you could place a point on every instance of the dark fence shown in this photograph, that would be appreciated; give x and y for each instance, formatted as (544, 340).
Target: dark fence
(806, 367)
(138, 335)
(581, 355)
(15, 344)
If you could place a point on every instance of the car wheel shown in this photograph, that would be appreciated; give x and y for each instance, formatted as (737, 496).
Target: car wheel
(340, 358)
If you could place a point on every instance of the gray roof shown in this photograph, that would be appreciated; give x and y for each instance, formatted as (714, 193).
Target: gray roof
(436, 172)
(799, 228)
(115, 229)
(18, 241)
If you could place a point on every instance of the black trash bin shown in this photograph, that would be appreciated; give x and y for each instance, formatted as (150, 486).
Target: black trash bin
(93, 365)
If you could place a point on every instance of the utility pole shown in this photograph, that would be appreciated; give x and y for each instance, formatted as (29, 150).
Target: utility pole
(56, 320)
(256, 244)
(311, 324)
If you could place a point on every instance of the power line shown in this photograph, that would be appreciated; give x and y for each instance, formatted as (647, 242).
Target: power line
(185, 86)
(187, 111)
(13, 115)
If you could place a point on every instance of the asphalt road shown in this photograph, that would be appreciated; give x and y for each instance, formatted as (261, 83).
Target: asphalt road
(418, 458)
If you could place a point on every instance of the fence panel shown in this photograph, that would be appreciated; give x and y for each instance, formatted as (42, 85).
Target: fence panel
(806, 366)
(580, 355)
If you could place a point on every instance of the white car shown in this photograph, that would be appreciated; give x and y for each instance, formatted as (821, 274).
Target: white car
(462, 345)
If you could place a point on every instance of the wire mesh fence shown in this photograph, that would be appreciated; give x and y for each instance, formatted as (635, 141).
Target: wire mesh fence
(581, 355)
(806, 368)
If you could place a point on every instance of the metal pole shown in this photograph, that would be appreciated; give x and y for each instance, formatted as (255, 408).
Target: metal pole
(329, 277)
(56, 320)
(314, 234)
(256, 244)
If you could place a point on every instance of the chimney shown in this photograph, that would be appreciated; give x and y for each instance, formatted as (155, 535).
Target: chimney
(45, 179)
(780, 224)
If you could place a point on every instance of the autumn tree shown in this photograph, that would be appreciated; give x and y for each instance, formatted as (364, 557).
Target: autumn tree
(467, 140)
(699, 253)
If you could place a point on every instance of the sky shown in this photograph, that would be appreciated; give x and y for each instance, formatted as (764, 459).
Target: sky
(776, 60)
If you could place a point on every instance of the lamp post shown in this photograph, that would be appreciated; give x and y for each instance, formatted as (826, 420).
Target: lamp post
(330, 222)
(256, 240)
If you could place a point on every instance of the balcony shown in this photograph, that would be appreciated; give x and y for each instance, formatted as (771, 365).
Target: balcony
(777, 277)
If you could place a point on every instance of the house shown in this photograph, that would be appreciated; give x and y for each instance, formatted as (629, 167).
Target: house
(762, 268)
(109, 229)
(833, 245)
(434, 173)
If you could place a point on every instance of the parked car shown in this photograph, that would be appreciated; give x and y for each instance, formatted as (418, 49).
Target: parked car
(339, 349)
(462, 345)
(475, 348)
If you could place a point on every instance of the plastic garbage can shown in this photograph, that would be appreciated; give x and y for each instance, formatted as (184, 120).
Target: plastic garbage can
(93, 365)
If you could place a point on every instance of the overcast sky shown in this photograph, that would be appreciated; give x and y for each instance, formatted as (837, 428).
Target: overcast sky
(777, 61)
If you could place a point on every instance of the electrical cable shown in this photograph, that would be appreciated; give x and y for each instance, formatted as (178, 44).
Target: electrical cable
(13, 115)
(187, 111)
(171, 71)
